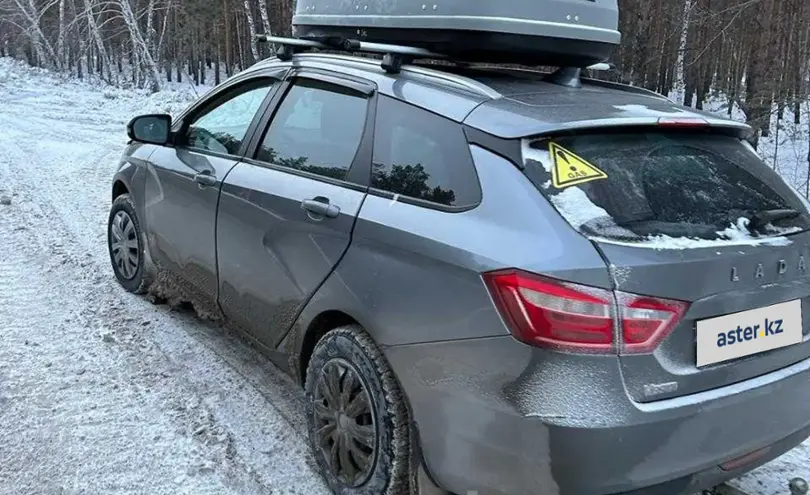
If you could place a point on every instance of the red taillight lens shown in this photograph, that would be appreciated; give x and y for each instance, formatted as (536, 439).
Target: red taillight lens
(646, 321)
(550, 313)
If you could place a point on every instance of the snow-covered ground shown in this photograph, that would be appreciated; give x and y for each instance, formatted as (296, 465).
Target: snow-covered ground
(102, 392)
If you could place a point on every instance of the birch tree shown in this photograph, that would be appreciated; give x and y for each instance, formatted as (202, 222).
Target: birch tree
(60, 40)
(265, 18)
(254, 49)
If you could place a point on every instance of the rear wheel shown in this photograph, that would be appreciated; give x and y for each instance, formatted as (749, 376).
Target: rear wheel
(357, 418)
(124, 241)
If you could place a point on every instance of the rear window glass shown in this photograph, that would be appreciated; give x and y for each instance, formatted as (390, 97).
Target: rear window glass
(664, 188)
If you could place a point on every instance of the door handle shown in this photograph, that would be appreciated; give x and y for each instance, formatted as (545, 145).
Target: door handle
(320, 206)
(205, 178)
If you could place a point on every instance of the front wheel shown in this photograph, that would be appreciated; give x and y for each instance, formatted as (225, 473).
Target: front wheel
(124, 241)
(357, 417)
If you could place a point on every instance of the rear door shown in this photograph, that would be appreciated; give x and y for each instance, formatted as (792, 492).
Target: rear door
(692, 217)
(286, 213)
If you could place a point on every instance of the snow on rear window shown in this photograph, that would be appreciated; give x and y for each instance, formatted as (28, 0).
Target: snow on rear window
(665, 190)
(734, 234)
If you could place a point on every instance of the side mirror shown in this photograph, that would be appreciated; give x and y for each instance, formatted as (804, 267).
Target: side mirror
(151, 129)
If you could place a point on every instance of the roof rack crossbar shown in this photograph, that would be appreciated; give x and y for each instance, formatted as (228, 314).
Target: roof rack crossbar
(394, 56)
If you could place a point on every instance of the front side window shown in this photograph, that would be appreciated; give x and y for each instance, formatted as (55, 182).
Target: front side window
(223, 127)
(641, 186)
(317, 129)
(422, 156)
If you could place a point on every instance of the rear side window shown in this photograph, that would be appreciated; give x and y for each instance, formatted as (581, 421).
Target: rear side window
(317, 129)
(643, 186)
(423, 156)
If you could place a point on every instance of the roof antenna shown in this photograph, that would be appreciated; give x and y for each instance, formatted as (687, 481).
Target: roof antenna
(566, 76)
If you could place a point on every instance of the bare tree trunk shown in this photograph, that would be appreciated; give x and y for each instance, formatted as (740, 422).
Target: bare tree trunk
(60, 40)
(159, 51)
(228, 40)
(80, 42)
(150, 30)
(178, 61)
(79, 72)
(265, 19)
(217, 65)
(239, 49)
(802, 39)
(254, 49)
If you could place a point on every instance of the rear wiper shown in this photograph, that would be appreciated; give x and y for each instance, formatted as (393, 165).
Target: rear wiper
(762, 218)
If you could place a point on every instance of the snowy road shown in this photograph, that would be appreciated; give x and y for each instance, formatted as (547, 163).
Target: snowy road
(100, 391)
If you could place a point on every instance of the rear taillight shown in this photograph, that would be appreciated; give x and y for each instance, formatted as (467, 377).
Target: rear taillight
(646, 321)
(549, 313)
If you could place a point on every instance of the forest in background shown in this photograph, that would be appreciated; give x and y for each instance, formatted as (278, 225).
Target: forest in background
(755, 53)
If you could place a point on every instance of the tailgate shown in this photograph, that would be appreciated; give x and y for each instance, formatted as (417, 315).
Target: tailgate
(690, 219)
(716, 281)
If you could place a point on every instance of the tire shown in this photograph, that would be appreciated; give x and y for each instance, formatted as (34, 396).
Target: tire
(133, 277)
(350, 354)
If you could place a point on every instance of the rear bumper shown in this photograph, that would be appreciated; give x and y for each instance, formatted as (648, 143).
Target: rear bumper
(498, 417)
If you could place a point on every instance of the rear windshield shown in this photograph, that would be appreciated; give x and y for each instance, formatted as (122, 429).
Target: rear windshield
(672, 189)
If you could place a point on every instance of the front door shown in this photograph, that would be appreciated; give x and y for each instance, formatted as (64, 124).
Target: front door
(183, 183)
(286, 215)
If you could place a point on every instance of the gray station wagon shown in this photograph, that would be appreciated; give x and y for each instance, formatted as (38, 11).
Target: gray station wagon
(487, 279)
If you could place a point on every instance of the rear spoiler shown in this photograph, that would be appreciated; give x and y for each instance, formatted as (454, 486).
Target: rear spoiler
(510, 146)
(517, 126)
(721, 126)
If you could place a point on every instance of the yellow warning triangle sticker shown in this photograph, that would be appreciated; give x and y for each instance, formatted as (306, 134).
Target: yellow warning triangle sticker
(570, 169)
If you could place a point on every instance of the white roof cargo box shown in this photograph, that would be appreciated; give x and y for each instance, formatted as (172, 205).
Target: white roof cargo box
(572, 33)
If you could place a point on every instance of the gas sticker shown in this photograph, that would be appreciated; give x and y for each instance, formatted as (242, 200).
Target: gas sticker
(570, 169)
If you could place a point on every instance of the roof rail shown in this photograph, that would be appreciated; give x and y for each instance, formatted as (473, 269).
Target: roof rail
(394, 56)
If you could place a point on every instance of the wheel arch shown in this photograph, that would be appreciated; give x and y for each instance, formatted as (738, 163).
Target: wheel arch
(319, 326)
(119, 188)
